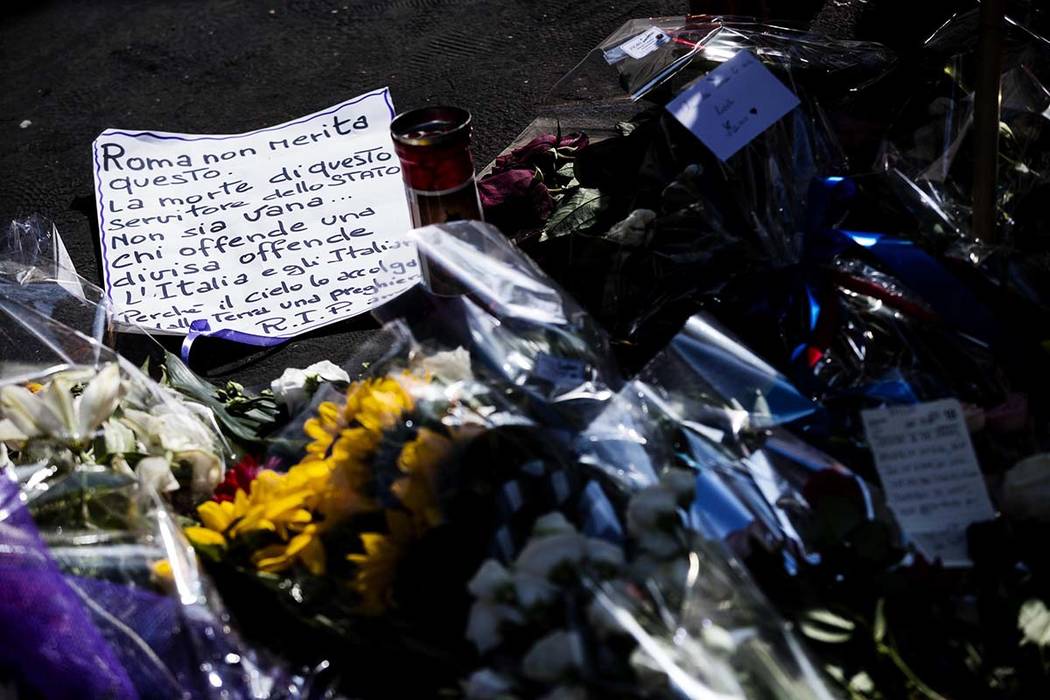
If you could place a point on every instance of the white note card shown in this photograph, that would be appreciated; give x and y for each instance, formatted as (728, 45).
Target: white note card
(645, 43)
(727, 108)
(930, 474)
(262, 235)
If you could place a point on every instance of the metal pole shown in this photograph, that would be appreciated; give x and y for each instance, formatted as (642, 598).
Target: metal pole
(986, 120)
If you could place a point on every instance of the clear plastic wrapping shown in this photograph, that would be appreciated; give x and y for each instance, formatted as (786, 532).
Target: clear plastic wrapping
(485, 456)
(104, 597)
(671, 51)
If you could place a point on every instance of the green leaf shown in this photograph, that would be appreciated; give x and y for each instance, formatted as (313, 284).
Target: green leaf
(577, 213)
(244, 428)
(1034, 622)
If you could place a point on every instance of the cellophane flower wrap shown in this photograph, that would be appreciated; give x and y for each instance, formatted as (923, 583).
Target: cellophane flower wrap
(103, 596)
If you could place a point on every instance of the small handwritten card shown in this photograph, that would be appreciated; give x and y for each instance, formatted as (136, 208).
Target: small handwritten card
(645, 43)
(259, 236)
(731, 105)
(930, 473)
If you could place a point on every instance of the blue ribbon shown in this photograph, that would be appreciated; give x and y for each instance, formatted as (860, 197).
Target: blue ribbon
(201, 328)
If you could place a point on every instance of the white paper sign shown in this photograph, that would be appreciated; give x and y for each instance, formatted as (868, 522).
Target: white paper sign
(727, 108)
(645, 43)
(262, 235)
(930, 474)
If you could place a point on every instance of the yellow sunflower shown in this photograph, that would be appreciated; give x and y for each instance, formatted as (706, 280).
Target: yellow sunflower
(377, 565)
(419, 461)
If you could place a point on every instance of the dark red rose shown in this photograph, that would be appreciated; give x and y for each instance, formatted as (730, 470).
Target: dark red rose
(515, 199)
(239, 476)
(539, 153)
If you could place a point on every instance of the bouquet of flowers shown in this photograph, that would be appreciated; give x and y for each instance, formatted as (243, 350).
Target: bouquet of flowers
(103, 596)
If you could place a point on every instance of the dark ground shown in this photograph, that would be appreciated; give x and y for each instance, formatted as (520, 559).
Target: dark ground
(76, 67)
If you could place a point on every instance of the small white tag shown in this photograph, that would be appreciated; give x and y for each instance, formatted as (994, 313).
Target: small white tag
(930, 474)
(645, 43)
(731, 105)
(560, 371)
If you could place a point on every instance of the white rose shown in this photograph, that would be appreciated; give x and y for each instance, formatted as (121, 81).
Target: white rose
(487, 684)
(449, 366)
(553, 523)
(533, 591)
(545, 555)
(155, 473)
(296, 386)
(553, 657)
(490, 581)
(486, 621)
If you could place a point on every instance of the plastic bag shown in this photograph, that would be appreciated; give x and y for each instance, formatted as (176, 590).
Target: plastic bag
(666, 52)
(455, 458)
(104, 595)
(929, 147)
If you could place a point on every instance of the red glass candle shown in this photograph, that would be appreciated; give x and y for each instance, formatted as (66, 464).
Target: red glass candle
(433, 144)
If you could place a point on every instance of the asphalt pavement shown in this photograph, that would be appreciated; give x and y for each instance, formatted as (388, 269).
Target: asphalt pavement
(73, 68)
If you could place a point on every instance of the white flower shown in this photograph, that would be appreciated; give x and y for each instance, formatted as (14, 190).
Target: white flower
(1034, 622)
(490, 581)
(55, 412)
(546, 555)
(566, 692)
(487, 684)
(553, 657)
(606, 556)
(532, 591)
(296, 386)
(486, 621)
(176, 432)
(450, 366)
(118, 438)
(718, 638)
(206, 467)
(9, 432)
(553, 523)
(155, 473)
(98, 400)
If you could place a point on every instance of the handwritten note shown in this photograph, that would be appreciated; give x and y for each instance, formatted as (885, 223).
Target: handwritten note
(262, 235)
(731, 105)
(645, 43)
(930, 473)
